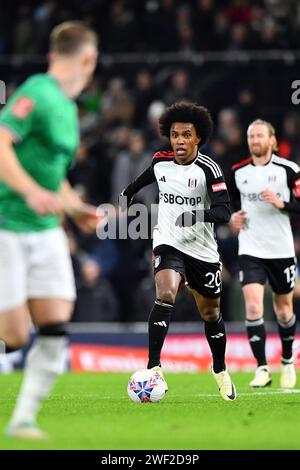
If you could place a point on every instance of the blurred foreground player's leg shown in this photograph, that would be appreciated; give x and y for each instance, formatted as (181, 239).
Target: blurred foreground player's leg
(44, 362)
(36, 267)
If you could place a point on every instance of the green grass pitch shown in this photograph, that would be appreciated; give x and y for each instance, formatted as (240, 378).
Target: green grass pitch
(92, 411)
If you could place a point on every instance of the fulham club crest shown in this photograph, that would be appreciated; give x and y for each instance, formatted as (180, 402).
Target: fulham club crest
(192, 183)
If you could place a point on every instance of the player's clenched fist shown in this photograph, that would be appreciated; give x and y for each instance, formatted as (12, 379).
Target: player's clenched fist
(238, 220)
(272, 198)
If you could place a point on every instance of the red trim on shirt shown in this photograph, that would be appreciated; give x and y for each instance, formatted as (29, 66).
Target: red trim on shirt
(163, 154)
(242, 163)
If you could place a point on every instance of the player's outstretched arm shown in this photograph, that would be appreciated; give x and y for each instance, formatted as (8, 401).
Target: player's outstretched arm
(126, 196)
(13, 175)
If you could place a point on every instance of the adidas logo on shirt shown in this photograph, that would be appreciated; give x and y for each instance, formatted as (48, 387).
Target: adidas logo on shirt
(163, 179)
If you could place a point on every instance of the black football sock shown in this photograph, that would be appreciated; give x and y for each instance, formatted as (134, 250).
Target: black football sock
(216, 337)
(287, 333)
(158, 325)
(257, 338)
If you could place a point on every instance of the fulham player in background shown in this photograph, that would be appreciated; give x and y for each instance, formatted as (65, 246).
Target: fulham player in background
(265, 190)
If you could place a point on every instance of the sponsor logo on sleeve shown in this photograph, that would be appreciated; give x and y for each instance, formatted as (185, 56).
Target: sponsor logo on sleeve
(219, 187)
(22, 107)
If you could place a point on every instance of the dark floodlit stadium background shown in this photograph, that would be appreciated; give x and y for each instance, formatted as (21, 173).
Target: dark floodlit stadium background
(239, 58)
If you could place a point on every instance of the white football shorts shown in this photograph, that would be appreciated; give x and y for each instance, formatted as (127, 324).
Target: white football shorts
(34, 266)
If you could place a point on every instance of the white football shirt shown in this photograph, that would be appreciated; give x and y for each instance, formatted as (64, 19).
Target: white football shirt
(268, 233)
(184, 188)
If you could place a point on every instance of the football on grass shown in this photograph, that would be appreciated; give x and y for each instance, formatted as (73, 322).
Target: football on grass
(146, 386)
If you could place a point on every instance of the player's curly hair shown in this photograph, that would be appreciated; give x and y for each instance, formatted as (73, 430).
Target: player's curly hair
(187, 112)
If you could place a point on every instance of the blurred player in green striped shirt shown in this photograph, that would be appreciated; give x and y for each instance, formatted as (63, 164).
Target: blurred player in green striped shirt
(39, 135)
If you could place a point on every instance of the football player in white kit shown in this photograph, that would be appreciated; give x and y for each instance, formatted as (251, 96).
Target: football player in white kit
(264, 192)
(192, 196)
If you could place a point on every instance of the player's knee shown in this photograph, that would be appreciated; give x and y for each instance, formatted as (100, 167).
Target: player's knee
(210, 313)
(283, 307)
(254, 311)
(284, 314)
(15, 339)
(167, 295)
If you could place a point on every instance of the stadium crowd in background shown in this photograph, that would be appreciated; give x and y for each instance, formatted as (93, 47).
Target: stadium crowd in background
(132, 25)
(119, 119)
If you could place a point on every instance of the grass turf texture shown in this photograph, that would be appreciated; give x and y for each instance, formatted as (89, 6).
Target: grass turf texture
(93, 411)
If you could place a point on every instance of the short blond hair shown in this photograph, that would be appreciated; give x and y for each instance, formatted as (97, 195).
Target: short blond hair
(68, 37)
(270, 128)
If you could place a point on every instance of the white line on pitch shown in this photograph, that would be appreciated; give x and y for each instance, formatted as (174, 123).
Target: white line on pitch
(279, 391)
(245, 394)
